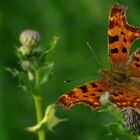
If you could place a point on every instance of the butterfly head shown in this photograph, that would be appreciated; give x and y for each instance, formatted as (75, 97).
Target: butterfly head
(104, 73)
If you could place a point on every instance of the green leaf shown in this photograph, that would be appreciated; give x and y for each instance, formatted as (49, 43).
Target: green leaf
(116, 129)
(50, 117)
(13, 71)
(47, 72)
(24, 81)
(50, 120)
(54, 42)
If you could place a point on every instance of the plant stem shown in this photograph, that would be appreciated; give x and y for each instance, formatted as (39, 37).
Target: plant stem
(38, 106)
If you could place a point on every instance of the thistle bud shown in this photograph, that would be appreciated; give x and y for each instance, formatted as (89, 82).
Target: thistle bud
(29, 38)
(132, 120)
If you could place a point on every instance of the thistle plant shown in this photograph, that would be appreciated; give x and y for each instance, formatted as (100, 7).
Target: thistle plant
(35, 71)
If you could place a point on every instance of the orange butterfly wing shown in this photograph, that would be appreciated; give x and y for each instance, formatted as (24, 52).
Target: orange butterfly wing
(134, 64)
(120, 37)
(88, 94)
(124, 99)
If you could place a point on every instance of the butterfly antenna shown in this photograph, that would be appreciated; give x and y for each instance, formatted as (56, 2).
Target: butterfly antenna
(79, 77)
(86, 75)
(93, 53)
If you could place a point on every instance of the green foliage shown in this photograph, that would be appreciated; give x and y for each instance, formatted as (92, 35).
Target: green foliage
(76, 22)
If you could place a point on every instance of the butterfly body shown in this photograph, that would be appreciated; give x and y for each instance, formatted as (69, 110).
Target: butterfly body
(114, 76)
(122, 81)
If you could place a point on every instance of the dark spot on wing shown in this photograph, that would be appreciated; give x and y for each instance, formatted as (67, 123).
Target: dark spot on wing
(113, 39)
(124, 50)
(124, 40)
(122, 33)
(83, 88)
(115, 94)
(85, 96)
(93, 85)
(136, 58)
(115, 50)
(100, 90)
(137, 65)
(93, 94)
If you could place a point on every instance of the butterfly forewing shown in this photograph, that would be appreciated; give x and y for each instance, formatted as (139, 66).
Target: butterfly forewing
(120, 36)
(88, 94)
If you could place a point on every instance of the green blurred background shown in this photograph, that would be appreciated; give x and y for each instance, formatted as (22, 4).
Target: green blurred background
(75, 22)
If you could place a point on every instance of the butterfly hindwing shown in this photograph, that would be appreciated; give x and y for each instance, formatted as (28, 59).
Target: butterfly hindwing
(88, 94)
(124, 99)
(121, 35)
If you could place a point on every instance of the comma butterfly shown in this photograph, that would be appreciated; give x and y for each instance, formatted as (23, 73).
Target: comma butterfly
(122, 81)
